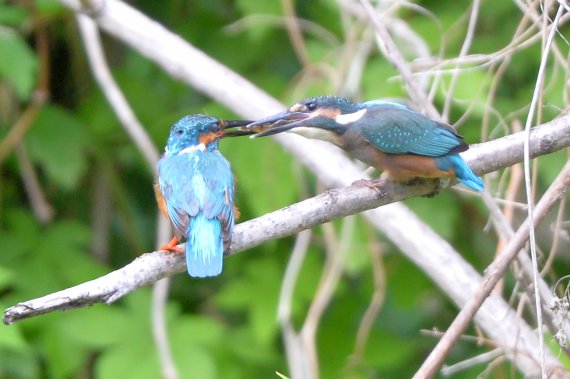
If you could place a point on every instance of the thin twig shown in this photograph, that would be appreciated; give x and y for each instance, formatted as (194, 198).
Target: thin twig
(158, 309)
(395, 57)
(294, 31)
(296, 357)
(464, 49)
(528, 187)
(112, 92)
(42, 208)
(20, 128)
(376, 302)
(492, 274)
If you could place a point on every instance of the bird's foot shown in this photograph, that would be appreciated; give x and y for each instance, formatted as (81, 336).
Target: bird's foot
(377, 185)
(172, 245)
(374, 184)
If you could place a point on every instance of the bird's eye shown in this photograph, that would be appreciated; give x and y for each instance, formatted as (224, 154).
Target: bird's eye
(179, 132)
(311, 106)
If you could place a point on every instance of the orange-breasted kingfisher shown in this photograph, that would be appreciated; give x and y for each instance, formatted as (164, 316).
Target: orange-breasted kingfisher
(391, 137)
(195, 191)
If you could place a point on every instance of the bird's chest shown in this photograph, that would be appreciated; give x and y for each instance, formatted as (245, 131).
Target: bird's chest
(355, 144)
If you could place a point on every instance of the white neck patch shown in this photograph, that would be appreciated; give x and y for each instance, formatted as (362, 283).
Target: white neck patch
(349, 118)
(200, 147)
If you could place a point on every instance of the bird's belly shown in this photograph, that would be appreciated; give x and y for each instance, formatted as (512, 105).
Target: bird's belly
(401, 166)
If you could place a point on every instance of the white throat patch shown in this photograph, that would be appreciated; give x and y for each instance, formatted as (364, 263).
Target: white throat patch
(349, 118)
(200, 147)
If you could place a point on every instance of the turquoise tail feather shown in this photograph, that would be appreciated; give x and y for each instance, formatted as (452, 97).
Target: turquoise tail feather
(204, 247)
(462, 171)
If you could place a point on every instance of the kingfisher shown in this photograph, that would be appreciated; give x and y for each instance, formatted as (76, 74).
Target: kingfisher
(195, 191)
(389, 136)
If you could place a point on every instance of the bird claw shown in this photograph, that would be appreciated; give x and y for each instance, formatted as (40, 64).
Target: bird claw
(374, 184)
(172, 245)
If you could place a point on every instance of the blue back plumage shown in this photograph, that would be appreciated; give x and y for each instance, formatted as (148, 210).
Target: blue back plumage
(396, 129)
(197, 184)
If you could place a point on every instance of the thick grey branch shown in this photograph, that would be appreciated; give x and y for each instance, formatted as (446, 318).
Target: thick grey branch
(306, 214)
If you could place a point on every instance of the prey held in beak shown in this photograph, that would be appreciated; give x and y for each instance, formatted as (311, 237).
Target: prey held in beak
(230, 124)
(277, 123)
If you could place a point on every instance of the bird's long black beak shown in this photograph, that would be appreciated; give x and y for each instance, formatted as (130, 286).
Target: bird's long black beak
(240, 124)
(277, 123)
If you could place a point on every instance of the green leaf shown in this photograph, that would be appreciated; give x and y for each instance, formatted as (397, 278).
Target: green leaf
(20, 236)
(84, 326)
(49, 8)
(192, 361)
(440, 212)
(11, 337)
(257, 293)
(134, 354)
(64, 356)
(58, 142)
(12, 15)
(18, 64)
(18, 364)
(263, 169)
(6, 276)
(129, 361)
(251, 7)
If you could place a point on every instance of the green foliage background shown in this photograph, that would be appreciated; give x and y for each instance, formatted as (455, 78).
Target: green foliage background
(226, 327)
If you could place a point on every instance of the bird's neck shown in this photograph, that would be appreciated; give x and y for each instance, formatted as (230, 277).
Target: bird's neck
(190, 149)
(317, 133)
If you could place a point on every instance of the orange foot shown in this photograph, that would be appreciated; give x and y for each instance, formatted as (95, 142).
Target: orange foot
(172, 245)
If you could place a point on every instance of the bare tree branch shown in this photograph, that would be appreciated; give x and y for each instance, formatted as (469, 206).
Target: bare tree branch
(114, 95)
(287, 221)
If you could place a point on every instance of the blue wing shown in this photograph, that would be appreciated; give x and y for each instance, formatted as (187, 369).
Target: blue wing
(198, 190)
(396, 129)
(219, 182)
(176, 175)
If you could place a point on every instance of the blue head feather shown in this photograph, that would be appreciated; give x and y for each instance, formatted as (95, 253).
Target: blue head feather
(186, 133)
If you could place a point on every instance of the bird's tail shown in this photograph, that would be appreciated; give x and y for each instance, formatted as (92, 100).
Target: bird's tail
(204, 247)
(465, 175)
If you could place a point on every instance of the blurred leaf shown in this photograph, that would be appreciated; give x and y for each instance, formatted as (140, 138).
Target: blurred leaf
(129, 361)
(64, 355)
(5, 277)
(264, 170)
(549, 166)
(18, 64)
(441, 212)
(257, 294)
(391, 354)
(12, 15)
(19, 237)
(95, 327)
(49, 8)
(18, 364)
(250, 7)
(134, 353)
(193, 361)
(11, 337)
(58, 142)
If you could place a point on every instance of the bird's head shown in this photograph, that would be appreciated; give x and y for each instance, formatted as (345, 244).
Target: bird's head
(201, 132)
(321, 117)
